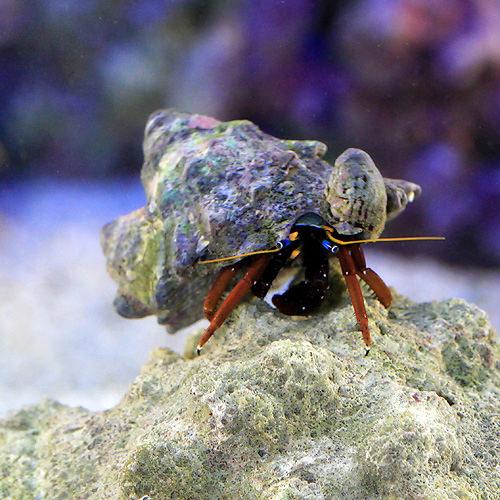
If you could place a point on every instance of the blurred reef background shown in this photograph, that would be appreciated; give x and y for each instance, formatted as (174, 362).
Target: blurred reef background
(413, 82)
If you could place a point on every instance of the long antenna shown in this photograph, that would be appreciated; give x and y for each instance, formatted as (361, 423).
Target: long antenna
(240, 256)
(404, 238)
(329, 230)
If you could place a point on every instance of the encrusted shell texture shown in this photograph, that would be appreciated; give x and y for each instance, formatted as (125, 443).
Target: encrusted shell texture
(216, 189)
(356, 193)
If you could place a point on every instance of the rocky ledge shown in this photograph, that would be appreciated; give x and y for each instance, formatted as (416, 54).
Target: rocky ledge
(282, 408)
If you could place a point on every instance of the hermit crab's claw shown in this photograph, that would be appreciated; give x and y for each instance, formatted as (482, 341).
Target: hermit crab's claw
(305, 297)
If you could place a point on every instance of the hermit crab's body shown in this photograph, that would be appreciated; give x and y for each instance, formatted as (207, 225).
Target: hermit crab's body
(218, 189)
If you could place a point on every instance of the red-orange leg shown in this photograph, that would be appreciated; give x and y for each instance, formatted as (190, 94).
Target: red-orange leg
(349, 271)
(235, 296)
(218, 287)
(370, 277)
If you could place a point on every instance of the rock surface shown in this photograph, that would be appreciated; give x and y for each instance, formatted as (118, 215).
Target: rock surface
(283, 408)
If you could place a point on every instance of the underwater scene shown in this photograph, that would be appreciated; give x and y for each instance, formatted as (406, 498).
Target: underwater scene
(249, 248)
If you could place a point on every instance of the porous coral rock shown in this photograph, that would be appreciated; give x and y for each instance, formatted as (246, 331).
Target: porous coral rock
(282, 408)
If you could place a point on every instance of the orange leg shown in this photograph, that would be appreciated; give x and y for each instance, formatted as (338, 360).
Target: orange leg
(349, 271)
(218, 287)
(370, 277)
(235, 296)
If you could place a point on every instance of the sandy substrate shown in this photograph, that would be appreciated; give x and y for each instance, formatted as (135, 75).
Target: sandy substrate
(59, 335)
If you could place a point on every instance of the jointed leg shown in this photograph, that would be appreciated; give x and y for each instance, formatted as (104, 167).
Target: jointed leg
(358, 303)
(218, 287)
(235, 296)
(370, 277)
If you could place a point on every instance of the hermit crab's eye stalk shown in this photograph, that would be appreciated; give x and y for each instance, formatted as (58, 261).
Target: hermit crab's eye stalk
(334, 249)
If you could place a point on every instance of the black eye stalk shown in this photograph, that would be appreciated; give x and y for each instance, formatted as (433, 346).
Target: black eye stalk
(330, 247)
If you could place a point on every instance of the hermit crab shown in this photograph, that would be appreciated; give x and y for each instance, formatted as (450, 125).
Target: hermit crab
(228, 203)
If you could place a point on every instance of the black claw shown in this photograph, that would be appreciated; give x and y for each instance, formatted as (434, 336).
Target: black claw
(198, 350)
(367, 352)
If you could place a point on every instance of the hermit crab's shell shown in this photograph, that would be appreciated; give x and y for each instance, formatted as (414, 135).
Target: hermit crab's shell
(227, 188)
(214, 189)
